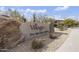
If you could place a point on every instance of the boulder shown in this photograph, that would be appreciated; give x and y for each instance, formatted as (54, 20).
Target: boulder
(10, 34)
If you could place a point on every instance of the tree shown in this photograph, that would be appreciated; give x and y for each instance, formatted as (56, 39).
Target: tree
(46, 19)
(16, 15)
(34, 17)
(39, 17)
(69, 22)
(24, 19)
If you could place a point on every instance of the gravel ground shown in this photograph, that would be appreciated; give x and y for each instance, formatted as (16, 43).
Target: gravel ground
(50, 45)
(53, 46)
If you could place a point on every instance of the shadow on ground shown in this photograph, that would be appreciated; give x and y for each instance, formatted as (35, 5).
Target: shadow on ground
(26, 45)
(48, 41)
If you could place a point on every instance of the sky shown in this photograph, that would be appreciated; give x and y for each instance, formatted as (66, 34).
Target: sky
(57, 12)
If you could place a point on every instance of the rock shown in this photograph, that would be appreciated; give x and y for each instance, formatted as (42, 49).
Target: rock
(9, 33)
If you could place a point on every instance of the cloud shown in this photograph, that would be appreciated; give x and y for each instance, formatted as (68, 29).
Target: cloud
(12, 9)
(20, 10)
(58, 17)
(36, 11)
(2, 8)
(73, 17)
(50, 17)
(61, 8)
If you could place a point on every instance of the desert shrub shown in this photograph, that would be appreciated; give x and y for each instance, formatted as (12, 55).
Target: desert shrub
(61, 26)
(37, 44)
(52, 36)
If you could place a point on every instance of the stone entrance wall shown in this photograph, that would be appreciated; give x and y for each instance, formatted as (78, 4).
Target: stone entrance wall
(34, 29)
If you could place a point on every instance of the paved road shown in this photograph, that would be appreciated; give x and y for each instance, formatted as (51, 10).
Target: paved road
(72, 43)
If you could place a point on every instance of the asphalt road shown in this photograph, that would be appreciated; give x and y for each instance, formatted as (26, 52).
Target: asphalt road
(72, 43)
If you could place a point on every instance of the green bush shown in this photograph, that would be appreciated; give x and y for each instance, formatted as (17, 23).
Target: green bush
(61, 26)
(37, 44)
(70, 22)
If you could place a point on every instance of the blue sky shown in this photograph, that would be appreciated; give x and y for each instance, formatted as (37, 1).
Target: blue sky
(57, 12)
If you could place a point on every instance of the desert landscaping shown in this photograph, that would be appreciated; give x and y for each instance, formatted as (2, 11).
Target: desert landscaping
(49, 44)
(40, 33)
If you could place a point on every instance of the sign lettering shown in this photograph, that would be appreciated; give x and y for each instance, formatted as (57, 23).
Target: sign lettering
(36, 27)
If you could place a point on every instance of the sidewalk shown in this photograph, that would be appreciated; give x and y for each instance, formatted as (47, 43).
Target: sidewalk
(72, 43)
